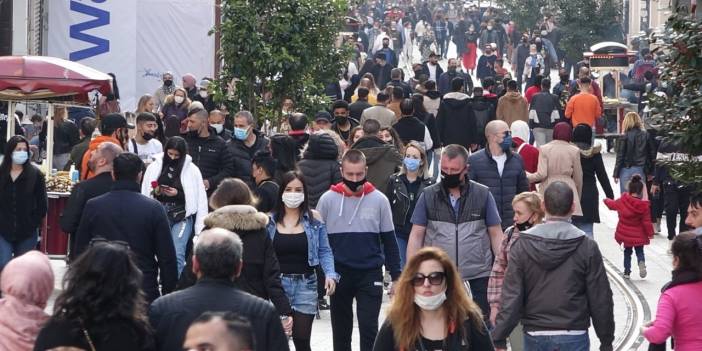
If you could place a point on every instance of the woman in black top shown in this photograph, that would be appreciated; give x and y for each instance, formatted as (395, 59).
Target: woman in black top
(301, 244)
(404, 189)
(23, 202)
(102, 306)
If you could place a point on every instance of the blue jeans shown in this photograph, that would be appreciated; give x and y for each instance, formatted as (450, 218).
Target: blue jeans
(625, 175)
(402, 245)
(586, 227)
(557, 342)
(627, 257)
(301, 291)
(15, 248)
(180, 232)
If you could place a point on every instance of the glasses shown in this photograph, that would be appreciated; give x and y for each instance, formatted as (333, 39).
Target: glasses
(100, 240)
(435, 278)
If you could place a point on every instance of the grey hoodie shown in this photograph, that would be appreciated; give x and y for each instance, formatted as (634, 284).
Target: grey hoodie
(556, 281)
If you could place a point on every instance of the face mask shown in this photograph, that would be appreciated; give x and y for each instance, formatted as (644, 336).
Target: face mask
(293, 200)
(20, 157)
(241, 133)
(698, 231)
(179, 99)
(341, 119)
(203, 94)
(417, 73)
(430, 303)
(412, 164)
(506, 143)
(524, 225)
(451, 181)
(354, 185)
(148, 136)
(489, 27)
(168, 82)
(218, 127)
(564, 78)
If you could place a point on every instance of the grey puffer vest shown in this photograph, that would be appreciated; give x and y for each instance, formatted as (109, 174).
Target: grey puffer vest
(464, 237)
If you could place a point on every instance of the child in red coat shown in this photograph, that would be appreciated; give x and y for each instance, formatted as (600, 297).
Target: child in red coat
(634, 229)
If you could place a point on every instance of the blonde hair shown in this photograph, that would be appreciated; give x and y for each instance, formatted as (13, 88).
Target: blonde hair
(170, 99)
(423, 169)
(532, 200)
(631, 120)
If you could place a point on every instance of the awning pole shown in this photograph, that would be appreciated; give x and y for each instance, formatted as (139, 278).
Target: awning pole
(50, 139)
(10, 119)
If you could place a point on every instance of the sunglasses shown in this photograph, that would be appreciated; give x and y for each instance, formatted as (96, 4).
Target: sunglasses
(101, 240)
(435, 278)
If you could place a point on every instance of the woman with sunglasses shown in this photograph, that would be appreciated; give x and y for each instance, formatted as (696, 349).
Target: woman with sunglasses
(102, 306)
(431, 310)
(301, 243)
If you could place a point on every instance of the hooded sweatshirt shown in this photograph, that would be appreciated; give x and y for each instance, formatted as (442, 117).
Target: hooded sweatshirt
(85, 172)
(27, 283)
(512, 107)
(556, 281)
(634, 227)
(357, 226)
(456, 122)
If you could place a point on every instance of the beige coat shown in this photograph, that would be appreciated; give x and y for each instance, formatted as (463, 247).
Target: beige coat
(560, 160)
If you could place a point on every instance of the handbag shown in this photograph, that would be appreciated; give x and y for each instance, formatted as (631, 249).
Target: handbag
(176, 214)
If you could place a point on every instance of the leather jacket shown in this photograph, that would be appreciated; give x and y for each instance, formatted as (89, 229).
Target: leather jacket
(634, 150)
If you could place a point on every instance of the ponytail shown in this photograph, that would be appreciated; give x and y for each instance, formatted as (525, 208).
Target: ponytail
(636, 185)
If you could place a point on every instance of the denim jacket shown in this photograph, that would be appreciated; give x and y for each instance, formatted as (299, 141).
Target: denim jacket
(318, 249)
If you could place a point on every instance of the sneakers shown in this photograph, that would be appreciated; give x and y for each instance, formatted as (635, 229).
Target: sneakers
(657, 226)
(627, 276)
(323, 304)
(642, 269)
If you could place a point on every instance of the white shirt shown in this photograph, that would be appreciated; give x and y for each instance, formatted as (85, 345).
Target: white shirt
(432, 71)
(500, 162)
(146, 151)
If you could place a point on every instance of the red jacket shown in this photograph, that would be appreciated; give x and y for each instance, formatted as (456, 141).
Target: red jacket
(530, 156)
(634, 227)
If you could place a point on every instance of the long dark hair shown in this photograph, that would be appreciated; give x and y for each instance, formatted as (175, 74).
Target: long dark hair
(279, 210)
(101, 286)
(687, 247)
(178, 144)
(7, 160)
(285, 151)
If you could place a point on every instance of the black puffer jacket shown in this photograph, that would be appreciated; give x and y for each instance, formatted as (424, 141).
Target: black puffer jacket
(241, 157)
(320, 166)
(260, 275)
(211, 157)
(456, 121)
(634, 149)
(483, 169)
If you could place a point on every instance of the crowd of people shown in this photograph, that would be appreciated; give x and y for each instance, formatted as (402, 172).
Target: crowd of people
(472, 204)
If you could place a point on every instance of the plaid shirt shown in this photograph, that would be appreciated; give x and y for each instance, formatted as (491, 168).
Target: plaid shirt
(497, 275)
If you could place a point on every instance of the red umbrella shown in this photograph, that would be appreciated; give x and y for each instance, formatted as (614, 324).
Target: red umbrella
(42, 77)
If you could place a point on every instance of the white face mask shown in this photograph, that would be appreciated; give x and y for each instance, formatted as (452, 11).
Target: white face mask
(218, 127)
(430, 303)
(179, 99)
(293, 200)
(203, 94)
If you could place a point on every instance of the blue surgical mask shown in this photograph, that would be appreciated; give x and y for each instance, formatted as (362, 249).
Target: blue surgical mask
(506, 143)
(20, 157)
(241, 133)
(698, 231)
(412, 164)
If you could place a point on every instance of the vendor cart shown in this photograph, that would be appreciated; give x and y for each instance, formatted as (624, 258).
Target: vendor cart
(52, 81)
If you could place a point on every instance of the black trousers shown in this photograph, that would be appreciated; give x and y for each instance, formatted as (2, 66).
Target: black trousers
(366, 286)
(677, 200)
(478, 288)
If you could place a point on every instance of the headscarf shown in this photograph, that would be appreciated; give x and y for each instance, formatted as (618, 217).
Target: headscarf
(562, 131)
(27, 283)
(520, 129)
(582, 136)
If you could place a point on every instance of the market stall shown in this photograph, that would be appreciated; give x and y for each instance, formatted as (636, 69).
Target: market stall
(611, 57)
(52, 81)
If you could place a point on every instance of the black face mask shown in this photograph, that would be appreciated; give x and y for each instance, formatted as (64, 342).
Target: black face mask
(417, 73)
(168, 82)
(564, 78)
(354, 185)
(524, 225)
(341, 120)
(451, 181)
(148, 136)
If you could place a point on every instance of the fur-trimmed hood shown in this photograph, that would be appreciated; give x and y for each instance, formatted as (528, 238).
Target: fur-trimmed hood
(237, 218)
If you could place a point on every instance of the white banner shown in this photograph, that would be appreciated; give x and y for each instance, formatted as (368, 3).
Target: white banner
(137, 40)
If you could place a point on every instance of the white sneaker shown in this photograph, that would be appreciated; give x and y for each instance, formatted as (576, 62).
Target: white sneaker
(657, 227)
(642, 269)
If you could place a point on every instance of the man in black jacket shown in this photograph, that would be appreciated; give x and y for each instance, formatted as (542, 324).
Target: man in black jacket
(455, 120)
(396, 81)
(544, 113)
(244, 145)
(208, 150)
(381, 70)
(217, 260)
(410, 128)
(356, 109)
(125, 214)
(101, 164)
(556, 283)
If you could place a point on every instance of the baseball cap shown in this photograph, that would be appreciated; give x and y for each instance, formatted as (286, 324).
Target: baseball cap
(323, 115)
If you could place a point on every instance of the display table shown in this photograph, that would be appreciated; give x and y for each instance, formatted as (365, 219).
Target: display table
(54, 242)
